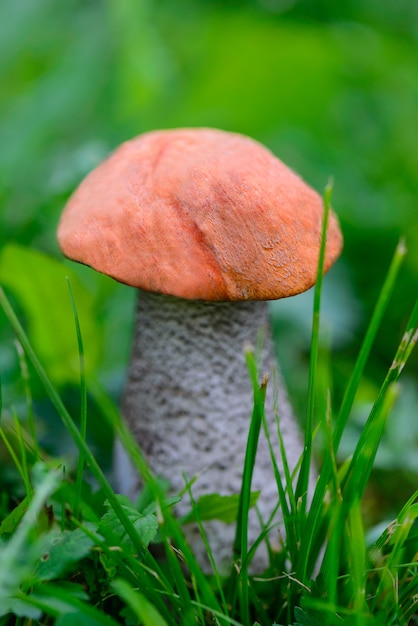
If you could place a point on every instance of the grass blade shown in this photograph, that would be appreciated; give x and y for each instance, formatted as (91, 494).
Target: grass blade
(138, 603)
(9, 447)
(367, 344)
(301, 492)
(197, 517)
(241, 535)
(241, 543)
(23, 456)
(366, 449)
(28, 397)
(83, 402)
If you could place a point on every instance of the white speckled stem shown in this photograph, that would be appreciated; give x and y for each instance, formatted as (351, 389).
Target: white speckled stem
(188, 401)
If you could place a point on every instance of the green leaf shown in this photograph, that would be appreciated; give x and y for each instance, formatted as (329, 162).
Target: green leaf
(146, 526)
(38, 282)
(9, 524)
(60, 550)
(68, 599)
(216, 507)
(303, 619)
(18, 607)
(76, 619)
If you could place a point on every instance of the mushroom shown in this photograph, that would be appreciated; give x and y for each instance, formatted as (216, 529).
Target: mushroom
(208, 226)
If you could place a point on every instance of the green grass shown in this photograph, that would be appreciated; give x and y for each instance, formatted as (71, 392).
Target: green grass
(71, 553)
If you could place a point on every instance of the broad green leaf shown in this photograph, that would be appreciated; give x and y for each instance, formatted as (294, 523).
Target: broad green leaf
(68, 599)
(38, 283)
(216, 507)
(146, 526)
(10, 522)
(60, 550)
(76, 619)
(303, 619)
(18, 607)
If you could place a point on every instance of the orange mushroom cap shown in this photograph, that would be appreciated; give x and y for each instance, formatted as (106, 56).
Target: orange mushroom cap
(199, 214)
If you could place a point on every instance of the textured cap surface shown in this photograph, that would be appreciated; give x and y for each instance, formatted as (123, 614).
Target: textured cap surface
(200, 214)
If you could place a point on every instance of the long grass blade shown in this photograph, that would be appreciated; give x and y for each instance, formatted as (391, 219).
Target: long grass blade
(9, 447)
(139, 604)
(206, 543)
(83, 402)
(241, 535)
(23, 456)
(356, 548)
(28, 398)
(301, 492)
(375, 322)
(366, 449)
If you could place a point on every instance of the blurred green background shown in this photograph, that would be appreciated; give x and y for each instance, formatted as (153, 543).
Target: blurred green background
(330, 87)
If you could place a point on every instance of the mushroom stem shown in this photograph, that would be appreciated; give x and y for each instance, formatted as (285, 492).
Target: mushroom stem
(188, 401)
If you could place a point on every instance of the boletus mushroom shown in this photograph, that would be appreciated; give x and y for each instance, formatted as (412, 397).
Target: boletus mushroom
(208, 225)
